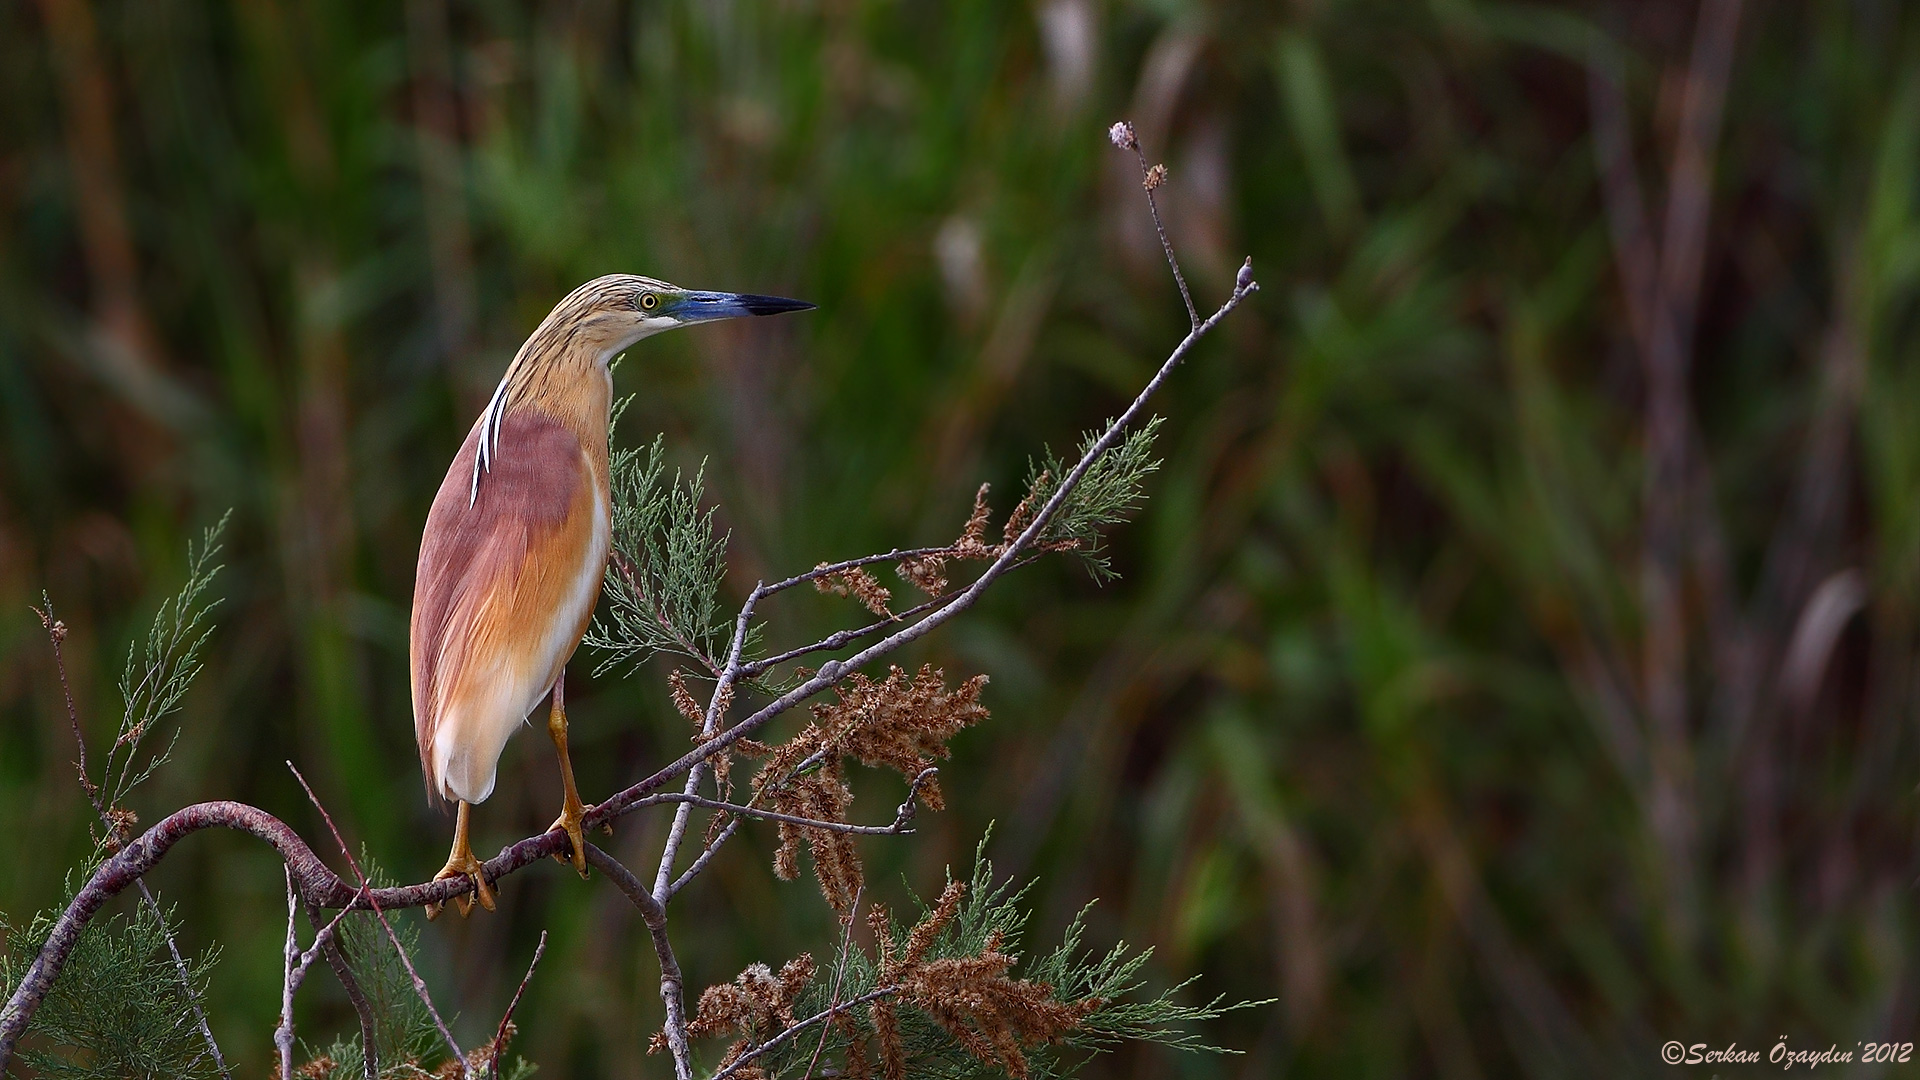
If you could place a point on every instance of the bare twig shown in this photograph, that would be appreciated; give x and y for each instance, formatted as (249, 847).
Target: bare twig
(829, 569)
(897, 828)
(733, 825)
(289, 982)
(839, 975)
(722, 693)
(366, 888)
(337, 960)
(1151, 177)
(655, 916)
(501, 1034)
(902, 815)
(57, 636)
(841, 638)
(706, 856)
(298, 963)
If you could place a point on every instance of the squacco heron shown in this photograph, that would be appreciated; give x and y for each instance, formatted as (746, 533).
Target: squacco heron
(516, 544)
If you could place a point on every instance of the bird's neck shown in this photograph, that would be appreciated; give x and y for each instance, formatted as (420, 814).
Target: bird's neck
(575, 390)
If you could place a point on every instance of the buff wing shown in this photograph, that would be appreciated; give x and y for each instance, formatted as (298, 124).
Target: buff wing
(507, 579)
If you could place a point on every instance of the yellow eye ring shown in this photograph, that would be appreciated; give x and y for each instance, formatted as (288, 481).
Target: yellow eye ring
(649, 301)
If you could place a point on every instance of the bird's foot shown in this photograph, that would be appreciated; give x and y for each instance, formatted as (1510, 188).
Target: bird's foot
(471, 869)
(572, 816)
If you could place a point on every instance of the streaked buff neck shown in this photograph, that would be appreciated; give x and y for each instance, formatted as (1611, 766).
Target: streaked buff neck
(562, 372)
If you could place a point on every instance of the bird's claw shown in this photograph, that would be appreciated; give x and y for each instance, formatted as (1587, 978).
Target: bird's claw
(471, 869)
(571, 821)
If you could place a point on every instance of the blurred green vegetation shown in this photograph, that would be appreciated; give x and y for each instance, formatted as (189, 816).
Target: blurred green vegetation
(1381, 716)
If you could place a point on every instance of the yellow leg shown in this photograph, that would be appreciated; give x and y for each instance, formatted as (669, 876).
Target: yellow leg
(572, 811)
(461, 863)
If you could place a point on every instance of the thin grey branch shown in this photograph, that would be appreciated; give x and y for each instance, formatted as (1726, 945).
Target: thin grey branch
(506, 1018)
(825, 569)
(366, 890)
(722, 693)
(1124, 138)
(842, 638)
(839, 976)
(655, 916)
(706, 856)
(363, 1011)
(897, 828)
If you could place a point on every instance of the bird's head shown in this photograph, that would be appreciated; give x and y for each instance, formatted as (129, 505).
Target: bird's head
(610, 313)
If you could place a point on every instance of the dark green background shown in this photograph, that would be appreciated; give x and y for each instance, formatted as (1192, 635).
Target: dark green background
(1346, 731)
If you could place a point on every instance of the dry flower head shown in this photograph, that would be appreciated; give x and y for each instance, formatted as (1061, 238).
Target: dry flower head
(858, 584)
(992, 1017)
(757, 1005)
(902, 723)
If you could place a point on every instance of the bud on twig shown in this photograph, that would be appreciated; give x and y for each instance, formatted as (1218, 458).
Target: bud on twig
(1245, 278)
(1155, 177)
(1122, 135)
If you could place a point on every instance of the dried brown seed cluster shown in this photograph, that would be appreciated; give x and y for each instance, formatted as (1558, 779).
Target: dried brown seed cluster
(689, 706)
(928, 572)
(991, 1016)
(480, 1059)
(683, 700)
(757, 1005)
(1022, 515)
(317, 1069)
(1155, 177)
(902, 723)
(994, 1018)
(860, 585)
(821, 796)
(121, 823)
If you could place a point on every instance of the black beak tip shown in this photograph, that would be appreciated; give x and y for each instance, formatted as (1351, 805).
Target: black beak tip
(772, 305)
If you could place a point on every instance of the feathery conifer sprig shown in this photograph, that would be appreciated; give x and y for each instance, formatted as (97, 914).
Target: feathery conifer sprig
(1110, 492)
(663, 579)
(121, 1008)
(154, 681)
(938, 997)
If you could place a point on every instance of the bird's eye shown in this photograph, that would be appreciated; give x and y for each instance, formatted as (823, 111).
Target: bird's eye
(649, 301)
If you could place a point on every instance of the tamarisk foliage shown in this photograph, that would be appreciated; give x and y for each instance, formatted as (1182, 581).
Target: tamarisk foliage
(937, 998)
(156, 677)
(121, 1008)
(131, 1004)
(663, 580)
(1108, 494)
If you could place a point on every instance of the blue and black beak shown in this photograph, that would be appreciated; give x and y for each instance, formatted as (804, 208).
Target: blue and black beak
(697, 307)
